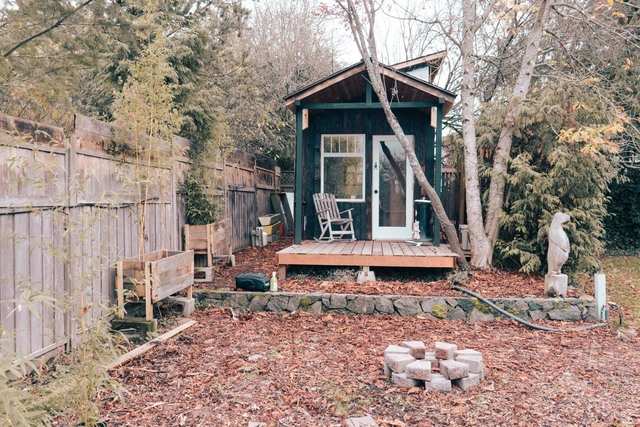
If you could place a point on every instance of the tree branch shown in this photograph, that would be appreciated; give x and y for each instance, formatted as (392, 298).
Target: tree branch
(48, 29)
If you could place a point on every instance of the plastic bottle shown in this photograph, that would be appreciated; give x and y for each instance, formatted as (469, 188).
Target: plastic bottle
(273, 283)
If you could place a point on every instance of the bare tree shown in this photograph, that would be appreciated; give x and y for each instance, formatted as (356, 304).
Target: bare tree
(487, 34)
(364, 36)
(503, 150)
(495, 53)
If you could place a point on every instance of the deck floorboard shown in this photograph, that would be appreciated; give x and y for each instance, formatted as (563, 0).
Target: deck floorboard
(367, 253)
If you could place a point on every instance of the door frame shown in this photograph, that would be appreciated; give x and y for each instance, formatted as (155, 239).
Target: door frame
(390, 233)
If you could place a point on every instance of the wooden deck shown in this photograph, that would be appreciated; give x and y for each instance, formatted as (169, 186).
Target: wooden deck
(366, 253)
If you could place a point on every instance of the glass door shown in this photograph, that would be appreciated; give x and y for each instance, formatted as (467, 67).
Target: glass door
(392, 190)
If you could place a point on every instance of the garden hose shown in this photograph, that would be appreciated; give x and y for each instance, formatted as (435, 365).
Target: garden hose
(521, 320)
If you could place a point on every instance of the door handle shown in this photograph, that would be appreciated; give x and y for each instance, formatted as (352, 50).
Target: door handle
(375, 191)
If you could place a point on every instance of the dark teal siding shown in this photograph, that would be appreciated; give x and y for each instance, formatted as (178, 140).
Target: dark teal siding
(369, 122)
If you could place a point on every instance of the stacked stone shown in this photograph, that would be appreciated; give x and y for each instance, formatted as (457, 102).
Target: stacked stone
(411, 365)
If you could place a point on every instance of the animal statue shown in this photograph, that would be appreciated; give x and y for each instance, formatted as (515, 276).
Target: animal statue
(559, 246)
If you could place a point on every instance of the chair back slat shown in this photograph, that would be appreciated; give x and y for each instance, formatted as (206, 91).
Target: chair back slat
(332, 206)
(326, 206)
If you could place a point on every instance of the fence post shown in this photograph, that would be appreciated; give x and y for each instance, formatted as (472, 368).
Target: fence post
(71, 201)
(175, 224)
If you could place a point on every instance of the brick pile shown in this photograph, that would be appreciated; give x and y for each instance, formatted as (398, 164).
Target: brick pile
(411, 365)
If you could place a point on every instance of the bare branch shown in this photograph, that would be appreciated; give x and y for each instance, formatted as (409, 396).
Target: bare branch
(48, 29)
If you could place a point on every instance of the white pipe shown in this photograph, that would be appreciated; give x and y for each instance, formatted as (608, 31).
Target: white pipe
(600, 291)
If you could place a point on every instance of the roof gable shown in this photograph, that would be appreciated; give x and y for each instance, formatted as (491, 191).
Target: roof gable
(350, 79)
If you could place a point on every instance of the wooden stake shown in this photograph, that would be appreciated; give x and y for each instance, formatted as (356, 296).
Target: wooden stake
(120, 288)
(148, 304)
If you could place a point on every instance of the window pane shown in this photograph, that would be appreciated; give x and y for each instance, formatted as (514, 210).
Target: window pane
(343, 177)
(343, 144)
(328, 146)
(392, 184)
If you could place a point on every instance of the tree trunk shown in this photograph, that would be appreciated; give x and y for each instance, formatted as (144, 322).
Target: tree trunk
(481, 249)
(503, 149)
(368, 51)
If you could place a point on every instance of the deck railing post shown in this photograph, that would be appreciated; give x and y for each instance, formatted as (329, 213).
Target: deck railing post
(298, 220)
(437, 171)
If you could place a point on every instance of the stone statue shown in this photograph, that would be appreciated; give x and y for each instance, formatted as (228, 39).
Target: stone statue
(555, 283)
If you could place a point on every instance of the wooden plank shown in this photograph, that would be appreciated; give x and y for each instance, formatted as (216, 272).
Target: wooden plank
(377, 248)
(104, 263)
(7, 281)
(113, 250)
(48, 278)
(317, 248)
(21, 262)
(386, 249)
(357, 249)
(367, 260)
(148, 302)
(336, 247)
(396, 250)
(138, 351)
(348, 247)
(127, 234)
(406, 250)
(59, 220)
(366, 106)
(368, 248)
(85, 284)
(73, 283)
(94, 263)
(420, 250)
(35, 280)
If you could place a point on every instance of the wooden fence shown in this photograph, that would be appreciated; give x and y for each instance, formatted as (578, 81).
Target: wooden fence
(69, 211)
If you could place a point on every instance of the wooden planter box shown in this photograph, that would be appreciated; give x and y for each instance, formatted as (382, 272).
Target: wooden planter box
(158, 275)
(212, 240)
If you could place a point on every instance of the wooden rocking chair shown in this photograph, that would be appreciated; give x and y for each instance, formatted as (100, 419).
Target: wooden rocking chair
(329, 216)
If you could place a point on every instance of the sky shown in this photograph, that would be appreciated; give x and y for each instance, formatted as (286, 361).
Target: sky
(387, 30)
(388, 34)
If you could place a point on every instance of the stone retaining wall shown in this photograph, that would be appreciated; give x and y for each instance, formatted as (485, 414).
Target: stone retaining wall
(461, 308)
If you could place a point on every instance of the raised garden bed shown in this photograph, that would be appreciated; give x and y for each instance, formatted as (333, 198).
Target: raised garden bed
(156, 276)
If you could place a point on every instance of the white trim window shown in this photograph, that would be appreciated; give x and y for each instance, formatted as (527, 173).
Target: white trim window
(342, 166)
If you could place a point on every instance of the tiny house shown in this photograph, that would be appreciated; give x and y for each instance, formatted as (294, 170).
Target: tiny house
(345, 147)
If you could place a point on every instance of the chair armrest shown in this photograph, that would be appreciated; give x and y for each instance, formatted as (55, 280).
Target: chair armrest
(348, 211)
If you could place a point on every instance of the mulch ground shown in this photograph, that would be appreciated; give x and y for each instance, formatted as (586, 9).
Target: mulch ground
(303, 370)
(495, 284)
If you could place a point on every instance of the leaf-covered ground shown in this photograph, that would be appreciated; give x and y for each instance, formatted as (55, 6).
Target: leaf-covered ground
(301, 370)
(390, 281)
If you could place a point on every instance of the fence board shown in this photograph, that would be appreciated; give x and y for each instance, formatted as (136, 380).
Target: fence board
(21, 262)
(58, 249)
(7, 279)
(48, 277)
